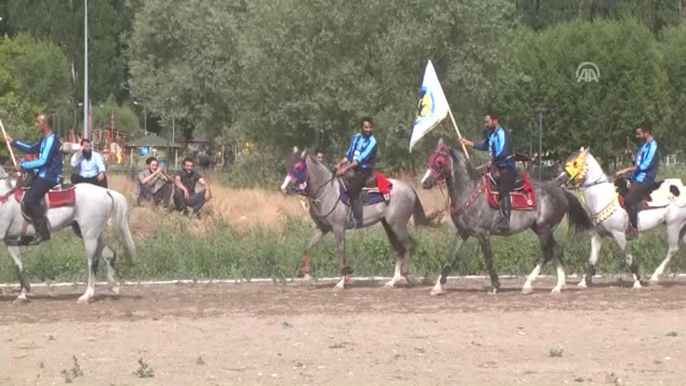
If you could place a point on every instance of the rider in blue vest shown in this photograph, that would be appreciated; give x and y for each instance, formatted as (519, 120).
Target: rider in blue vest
(48, 167)
(500, 154)
(644, 172)
(360, 157)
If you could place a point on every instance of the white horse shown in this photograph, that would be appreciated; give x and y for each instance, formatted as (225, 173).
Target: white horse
(88, 217)
(667, 206)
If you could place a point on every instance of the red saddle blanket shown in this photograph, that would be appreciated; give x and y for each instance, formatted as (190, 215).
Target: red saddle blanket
(522, 199)
(54, 198)
(383, 184)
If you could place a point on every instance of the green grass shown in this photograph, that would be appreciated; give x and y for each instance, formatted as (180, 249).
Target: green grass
(225, 253)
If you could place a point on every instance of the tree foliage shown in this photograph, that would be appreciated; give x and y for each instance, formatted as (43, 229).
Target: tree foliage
(34, 78)
(631, 89)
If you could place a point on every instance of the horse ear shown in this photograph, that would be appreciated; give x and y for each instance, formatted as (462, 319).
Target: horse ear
(587, 150)
(581, 149)
(440, 142)
(304, 153)
(295, 149)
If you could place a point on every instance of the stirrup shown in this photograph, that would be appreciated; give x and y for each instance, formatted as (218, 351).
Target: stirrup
(352, 224)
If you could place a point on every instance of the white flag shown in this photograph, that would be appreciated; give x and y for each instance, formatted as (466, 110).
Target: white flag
(432, 107)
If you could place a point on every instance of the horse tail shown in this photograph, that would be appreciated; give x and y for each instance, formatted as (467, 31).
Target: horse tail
(421, 218)
(121, 216)
(577, 216)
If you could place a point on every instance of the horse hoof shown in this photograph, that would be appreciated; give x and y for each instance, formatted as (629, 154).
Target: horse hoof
(492, 291)
(582, 285)
(84, 300)
(307, 277)
(654, 279)
(21, 299)
(389, 285)
(527, 289)
(637, 285)
(556, 291)
(437, 290)
(115, 290)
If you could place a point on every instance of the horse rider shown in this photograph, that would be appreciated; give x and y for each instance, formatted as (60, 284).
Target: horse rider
(499, 148)
(359, 158)
(48, 168)
(645, 167)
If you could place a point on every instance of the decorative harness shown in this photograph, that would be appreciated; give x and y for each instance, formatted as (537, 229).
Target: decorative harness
(610, 208)
(304, 188)
(437, 166)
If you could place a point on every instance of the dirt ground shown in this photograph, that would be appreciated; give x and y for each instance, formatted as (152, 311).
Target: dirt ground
(305, 334)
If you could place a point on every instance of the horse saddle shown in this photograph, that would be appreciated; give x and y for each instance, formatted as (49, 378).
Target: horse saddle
(521, 180)
(376, 189)
(662, 194)
(59, 196)
(522, 196)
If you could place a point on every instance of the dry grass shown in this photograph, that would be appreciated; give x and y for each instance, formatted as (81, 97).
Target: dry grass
(243, 208)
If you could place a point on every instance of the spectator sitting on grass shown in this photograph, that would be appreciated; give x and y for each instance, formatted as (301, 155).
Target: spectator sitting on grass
(90, 164)
(185, 196)
(154, 184)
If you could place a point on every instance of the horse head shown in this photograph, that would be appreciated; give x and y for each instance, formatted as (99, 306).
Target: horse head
(439, 166)
(582, 166)
(297, 177)
(7, 182)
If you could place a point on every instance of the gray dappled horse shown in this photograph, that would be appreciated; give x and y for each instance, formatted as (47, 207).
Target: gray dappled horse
(473, 216)
(88, 217)
(308, 177)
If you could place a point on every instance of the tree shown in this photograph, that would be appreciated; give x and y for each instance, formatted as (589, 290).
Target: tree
(309, 71)
(631, 89)
(34, 78)
(184, 60)
(674, 51)
(61, 22)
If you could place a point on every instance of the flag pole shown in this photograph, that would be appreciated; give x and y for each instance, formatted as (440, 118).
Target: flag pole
(9, 146)
(459, 136)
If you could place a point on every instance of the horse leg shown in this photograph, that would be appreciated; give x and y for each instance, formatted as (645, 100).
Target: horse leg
(24, 285)
(544, 240)
(110, 257)
(316, 237)
(399, 252)
(626, 250)
(596, 243)
(458, 241)
(342, 266)
(488, 257)
(558, 255)
(93, 250)
(674, 233)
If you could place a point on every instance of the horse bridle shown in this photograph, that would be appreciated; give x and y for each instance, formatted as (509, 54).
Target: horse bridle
(304, 191)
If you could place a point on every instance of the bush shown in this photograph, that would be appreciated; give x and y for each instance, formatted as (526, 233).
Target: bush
(216, 250)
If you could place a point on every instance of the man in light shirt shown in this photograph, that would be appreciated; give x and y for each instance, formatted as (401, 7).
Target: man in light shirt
(90, 164)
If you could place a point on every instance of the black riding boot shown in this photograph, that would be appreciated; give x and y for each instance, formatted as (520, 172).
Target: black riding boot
(42, 231)
(505, 209)
(632, 231)
(356, 204)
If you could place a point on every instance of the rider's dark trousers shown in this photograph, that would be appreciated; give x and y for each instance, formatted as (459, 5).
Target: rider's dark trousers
(637, 192)
(355, 185)
(33, 195)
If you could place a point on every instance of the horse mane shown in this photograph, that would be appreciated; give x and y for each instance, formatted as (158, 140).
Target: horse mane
(474, 174)
(312, 162)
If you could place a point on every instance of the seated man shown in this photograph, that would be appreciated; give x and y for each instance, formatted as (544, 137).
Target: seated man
(148, 188)
(185, 195)
(90, 164)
